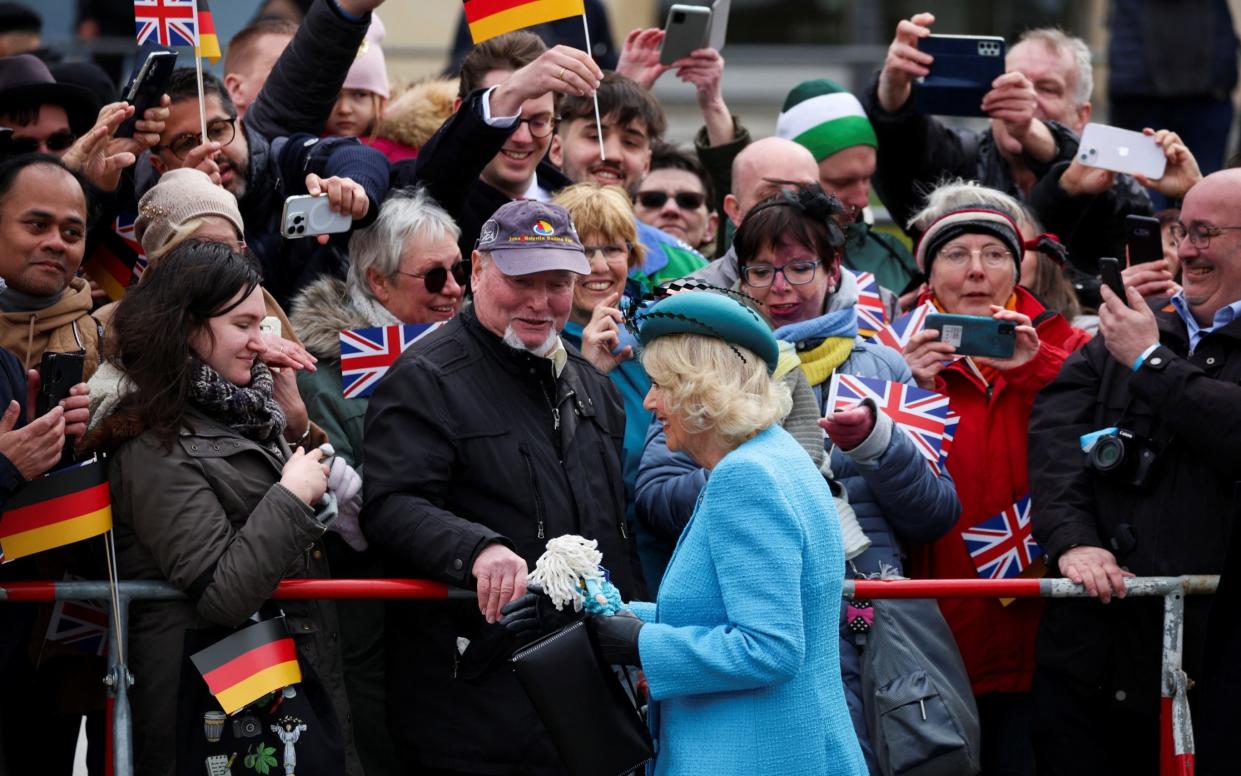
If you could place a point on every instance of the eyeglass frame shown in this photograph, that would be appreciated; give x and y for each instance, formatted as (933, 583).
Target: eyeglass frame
(1004, 261)
(675, 197)
(591, 250)
(196, 137)
(529, 122)
(781, 271)
(1203, 241)
(464, 264)
(23, 145)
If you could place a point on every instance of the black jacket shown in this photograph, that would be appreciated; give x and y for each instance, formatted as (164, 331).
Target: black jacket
(1187, 406)
(919, 153)
(462, 450)
(450, 163)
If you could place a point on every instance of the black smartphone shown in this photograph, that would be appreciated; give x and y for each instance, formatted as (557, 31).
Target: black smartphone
(147, 86)
(58, 372)
(961, 75)
(1143, 239)
(1109, 273)
(975, 335)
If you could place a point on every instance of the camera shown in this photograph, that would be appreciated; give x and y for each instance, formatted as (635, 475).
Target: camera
(1123, 454)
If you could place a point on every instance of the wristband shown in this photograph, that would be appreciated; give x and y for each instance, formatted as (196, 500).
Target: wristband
(1141, 359)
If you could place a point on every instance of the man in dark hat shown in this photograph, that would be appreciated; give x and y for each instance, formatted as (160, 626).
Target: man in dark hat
(37, 108)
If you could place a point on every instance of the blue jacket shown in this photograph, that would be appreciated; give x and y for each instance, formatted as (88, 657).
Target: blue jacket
(896, 496)
(738, 649)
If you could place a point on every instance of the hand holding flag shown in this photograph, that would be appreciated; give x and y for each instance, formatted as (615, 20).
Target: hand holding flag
(923, 415)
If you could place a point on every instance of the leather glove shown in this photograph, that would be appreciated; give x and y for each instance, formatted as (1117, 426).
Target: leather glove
(343, 480)
(534, 615)
(617, 637)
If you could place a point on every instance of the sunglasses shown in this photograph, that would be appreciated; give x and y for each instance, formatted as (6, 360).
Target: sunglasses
(436, 279)
(55, 143)
(686, 200)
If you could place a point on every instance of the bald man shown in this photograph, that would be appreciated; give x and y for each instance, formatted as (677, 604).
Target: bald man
(1168, 379)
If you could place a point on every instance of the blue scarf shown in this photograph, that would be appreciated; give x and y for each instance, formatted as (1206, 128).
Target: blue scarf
(840, 323)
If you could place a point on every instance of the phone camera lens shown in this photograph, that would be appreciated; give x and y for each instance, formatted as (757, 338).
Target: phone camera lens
(678, 17)
(297, 219)
(301, 229)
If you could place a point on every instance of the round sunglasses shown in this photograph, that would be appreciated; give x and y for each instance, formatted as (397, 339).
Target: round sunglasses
(435, 279)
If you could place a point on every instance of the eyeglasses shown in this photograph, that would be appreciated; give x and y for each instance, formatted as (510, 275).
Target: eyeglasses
(613, 252)
(1199, 234)
(220, 131)
(55, 143)
(992, 258)
(539, 126)
(796, 273)
(686, 200)
(435, 279)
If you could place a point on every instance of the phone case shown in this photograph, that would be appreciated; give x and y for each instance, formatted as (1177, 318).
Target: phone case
(147, 86)
(964, 67)
(719, 24)
(305, 216)
(1143, 239)
(685, 32)
(1121, 150)
(1109, 273)
(975, 335)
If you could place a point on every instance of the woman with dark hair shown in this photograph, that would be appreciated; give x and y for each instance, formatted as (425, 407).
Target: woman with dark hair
(207, 495)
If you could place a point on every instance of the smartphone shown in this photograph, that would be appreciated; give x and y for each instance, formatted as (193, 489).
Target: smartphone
(1109, 273)
(964, 67)
(686, 31)
(719, 24)
(58, 372)
(306, 216)
(975, 335)
(147, 86)
(1143, 239)
(1121, 150)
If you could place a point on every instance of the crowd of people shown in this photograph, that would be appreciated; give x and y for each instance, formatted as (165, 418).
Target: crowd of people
(636, 343)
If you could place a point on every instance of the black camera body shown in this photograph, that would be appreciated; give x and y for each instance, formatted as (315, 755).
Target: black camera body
(1124, 454)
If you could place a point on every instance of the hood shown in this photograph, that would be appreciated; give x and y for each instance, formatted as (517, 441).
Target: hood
(413, 117)
(27, 333)
(319, 314)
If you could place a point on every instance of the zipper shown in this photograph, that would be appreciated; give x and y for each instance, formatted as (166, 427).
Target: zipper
(534, 485)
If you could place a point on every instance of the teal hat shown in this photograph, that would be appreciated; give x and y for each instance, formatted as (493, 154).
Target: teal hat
(710, 314)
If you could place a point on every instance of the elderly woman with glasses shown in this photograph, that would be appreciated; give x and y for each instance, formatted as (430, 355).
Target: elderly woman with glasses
(972, 256)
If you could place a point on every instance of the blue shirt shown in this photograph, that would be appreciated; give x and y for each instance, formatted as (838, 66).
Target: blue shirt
(1223, 317)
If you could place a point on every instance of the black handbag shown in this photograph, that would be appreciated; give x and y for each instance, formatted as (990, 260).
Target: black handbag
(590, 718)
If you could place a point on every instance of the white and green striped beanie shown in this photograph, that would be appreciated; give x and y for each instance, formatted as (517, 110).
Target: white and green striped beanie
(825, 118)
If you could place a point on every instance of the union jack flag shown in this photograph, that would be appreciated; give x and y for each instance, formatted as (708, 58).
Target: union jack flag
(950, 431)
(124, 226)
(897, 334)
(1002, 547)
(166, 22)
(366, 354)
(81, 625)
(921, 414)
(872, 316)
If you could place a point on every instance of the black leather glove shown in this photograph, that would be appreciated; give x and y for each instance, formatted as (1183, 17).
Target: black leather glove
(534, 615)
(617, 637)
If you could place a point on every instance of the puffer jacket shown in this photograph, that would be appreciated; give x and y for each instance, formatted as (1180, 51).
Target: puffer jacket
(64, 327)
(220, 527)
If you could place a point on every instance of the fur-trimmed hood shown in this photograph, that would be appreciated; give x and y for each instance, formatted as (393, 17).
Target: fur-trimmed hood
(413, 117)
(319, 314)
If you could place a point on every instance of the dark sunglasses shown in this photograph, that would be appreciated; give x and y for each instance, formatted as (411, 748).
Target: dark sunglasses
(55, 143)
(436, 279)
(686, 200)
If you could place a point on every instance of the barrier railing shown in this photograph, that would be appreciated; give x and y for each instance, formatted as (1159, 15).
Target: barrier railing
(1176, 744)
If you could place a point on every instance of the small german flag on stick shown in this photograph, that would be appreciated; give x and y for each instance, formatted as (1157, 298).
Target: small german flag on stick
(60, 508)
(249, 664)
(489, 18)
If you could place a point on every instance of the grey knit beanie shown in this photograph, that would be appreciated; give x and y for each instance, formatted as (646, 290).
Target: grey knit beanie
(181, 195)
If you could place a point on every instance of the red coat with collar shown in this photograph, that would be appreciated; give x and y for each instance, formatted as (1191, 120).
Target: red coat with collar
(988, 465)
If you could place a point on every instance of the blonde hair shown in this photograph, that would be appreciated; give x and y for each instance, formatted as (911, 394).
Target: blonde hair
(605, 210)
(711, 390)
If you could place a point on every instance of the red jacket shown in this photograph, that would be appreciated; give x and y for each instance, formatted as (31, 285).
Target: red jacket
(988, 464)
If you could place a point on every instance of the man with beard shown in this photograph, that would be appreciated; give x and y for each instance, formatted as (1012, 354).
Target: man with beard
(485, 440)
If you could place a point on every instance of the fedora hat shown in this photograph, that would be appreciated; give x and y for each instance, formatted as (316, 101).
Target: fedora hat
(25, 79)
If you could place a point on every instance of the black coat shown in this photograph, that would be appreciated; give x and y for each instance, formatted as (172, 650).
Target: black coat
(462, 450)
(1179, 524)
(450, 163)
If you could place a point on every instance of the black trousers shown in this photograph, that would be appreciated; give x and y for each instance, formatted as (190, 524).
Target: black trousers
(1078, 730)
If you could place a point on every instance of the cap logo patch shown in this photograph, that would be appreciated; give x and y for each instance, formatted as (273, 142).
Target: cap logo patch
(488, 232)
(541, 227)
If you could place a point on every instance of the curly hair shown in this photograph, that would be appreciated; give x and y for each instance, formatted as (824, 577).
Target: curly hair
(711, 391)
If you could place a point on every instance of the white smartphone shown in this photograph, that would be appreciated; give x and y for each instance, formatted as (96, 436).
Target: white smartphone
(719, 24)
(685, 32)
(305, 216)
(1121, 150)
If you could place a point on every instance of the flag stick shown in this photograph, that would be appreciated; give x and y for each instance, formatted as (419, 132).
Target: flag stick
(598, 122)
(198, 68)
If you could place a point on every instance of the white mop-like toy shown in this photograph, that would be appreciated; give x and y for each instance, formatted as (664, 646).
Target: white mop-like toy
(569, 573)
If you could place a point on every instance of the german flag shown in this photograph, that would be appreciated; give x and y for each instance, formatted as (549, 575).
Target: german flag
(63, 507)
(249, 664)
(489, 18)
(208, 41)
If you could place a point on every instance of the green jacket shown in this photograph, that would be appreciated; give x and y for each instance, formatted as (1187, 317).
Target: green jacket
(869, 250)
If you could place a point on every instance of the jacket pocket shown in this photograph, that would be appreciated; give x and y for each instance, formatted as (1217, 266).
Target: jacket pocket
(539, 509)
(919, 735)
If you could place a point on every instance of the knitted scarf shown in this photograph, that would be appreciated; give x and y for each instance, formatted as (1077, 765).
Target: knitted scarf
(371, 310)
(823, 343)
(250, 410)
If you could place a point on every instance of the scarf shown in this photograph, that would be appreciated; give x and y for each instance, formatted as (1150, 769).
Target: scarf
(823, 343)
(372, 311)
(250, 410)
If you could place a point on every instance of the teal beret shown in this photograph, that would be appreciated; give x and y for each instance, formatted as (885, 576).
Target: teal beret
(711, 315)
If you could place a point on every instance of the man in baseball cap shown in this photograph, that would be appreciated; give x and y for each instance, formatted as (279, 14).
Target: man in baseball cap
(485, 440)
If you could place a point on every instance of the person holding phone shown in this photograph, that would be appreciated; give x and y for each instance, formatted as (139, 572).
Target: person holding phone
(972, 256)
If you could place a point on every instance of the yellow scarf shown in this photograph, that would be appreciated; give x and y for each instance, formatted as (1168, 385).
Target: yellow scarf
(819, 362)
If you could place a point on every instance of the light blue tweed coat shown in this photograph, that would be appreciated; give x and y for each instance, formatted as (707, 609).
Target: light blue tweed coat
(740, 649)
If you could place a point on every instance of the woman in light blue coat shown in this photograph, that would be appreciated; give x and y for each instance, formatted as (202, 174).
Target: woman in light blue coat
(739, 648)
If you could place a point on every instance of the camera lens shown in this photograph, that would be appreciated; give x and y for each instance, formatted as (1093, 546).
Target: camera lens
(1107, 454)
(678, 17)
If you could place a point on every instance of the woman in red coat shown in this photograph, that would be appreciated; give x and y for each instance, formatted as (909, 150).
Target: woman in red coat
(971, 251)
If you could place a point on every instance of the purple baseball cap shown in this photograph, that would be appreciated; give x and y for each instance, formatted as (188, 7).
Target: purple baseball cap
(525, 236)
